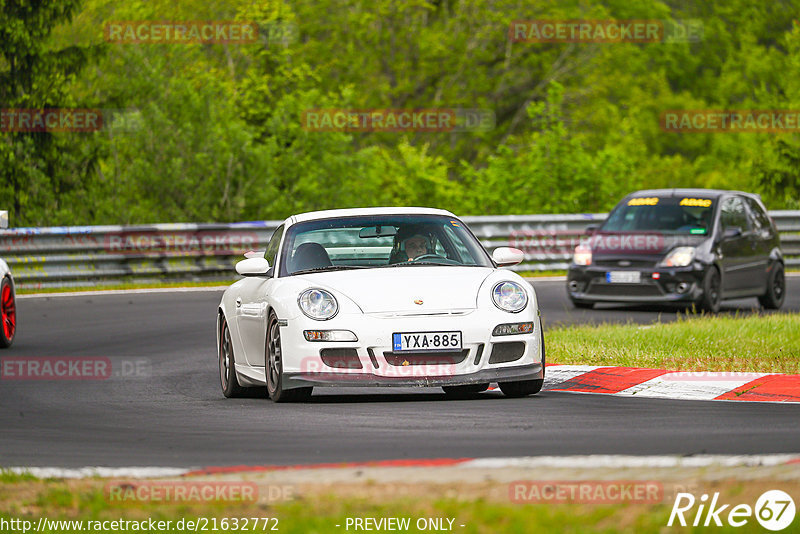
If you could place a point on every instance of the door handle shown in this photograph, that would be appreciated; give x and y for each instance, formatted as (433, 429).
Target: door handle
(238, 302)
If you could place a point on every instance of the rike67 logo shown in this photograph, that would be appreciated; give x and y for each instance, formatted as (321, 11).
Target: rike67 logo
(774, 510)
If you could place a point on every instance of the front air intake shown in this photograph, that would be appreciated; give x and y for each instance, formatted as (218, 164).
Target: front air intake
(340, 358)
(507, 352)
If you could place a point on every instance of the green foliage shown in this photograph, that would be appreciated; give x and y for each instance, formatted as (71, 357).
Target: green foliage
(38, 170)
(214, 132)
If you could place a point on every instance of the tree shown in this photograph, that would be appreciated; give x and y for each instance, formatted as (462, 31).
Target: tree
(33, 76)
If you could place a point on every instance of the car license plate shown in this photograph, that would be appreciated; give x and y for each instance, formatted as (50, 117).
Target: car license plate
(623, 277)
(419, 341)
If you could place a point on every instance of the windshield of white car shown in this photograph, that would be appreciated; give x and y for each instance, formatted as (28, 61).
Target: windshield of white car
(379, 241)
(668, 215)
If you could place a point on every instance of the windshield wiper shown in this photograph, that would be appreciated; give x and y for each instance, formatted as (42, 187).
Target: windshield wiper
(330, 268)
(412, 264)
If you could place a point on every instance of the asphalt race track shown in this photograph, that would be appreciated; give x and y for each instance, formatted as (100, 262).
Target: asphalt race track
(556, 307)
(169, 411)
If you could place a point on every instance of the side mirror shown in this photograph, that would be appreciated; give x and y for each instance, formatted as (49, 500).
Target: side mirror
(591, 229)
(507, 256)
(253, 267)
(731, 233)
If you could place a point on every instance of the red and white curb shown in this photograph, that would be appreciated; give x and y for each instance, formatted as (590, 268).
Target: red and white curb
(660, 383)
(554, 462)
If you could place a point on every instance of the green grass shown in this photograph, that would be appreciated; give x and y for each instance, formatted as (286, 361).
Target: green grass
(756, 343)
(536, 274)
(125, 285)
(320, 510)
(9, 477)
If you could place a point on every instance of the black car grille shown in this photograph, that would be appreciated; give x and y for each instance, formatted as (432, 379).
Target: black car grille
(625, 290)
(626, 263)
(340, 358)
(426, 358)
(507, 352)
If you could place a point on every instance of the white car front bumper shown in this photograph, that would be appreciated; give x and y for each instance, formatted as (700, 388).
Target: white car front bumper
(371, 361)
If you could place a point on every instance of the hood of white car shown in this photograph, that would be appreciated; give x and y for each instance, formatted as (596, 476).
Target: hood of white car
(406, 289)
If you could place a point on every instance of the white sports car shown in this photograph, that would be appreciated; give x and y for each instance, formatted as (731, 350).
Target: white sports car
(8, 307)
(379, 297)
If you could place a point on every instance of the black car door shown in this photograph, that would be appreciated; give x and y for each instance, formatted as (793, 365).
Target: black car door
(761, 240)
(736, 252)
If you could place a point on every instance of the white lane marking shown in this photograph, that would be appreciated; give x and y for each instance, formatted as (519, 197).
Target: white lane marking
(106, 472)
(557, 374)
(123, 292)
(616, 461)
(689, 386)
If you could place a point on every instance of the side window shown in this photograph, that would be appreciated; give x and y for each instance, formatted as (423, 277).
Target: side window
(438, 247)
(464, 256)
(759, 219)
(272, 246)
(733, 214)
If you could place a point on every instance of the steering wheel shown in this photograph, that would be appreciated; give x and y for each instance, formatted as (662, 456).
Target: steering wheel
(425, 256)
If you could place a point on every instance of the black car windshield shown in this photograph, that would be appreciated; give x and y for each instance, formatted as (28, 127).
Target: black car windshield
(377, 241)
(675, 215)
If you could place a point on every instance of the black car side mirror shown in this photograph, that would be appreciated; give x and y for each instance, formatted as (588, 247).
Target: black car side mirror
(592, 228)
(731, 233)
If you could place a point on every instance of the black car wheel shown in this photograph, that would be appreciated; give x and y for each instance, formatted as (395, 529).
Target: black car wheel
(776, 289)
(712, 291)
(582, 304)
(227, 361)
(466, 391)
(526, 387)
(274, 368)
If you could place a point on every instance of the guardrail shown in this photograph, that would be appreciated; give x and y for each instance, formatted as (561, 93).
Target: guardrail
(101, 255)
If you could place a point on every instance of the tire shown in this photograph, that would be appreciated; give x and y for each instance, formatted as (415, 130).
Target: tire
(274, 367)
(525, 387)
(8, 313)
(776, 289)
(227, 361)
(582, 304)
(712, 291)
(465, 392)
(521, 389)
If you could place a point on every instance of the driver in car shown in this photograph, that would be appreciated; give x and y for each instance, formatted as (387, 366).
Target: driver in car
(416, 246)
(411, 243)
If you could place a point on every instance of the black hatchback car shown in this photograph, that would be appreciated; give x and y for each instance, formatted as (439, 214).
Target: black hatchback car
(688, 246)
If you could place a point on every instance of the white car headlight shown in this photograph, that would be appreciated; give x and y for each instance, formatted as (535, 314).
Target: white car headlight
(679, 257)
(318, 304)
(582, 255)
(509, 296)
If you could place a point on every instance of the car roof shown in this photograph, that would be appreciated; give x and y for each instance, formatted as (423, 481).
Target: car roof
(355, 212)
(688, 192)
